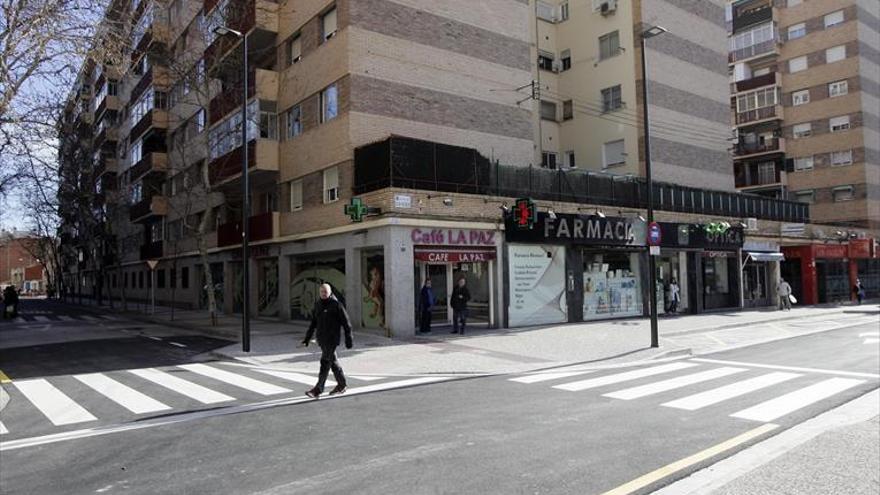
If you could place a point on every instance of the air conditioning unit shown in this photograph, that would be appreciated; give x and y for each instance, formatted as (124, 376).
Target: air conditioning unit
(751, 224)
(608, 7)
(557, 66)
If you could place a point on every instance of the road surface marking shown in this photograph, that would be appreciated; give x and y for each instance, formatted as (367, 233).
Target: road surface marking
(196, 415)
(41, 319)
(871, 341)
(176, 344)
(123, 395)
(788, 403)
(544, 377)
(623, 377)
(152, 338)
(788, 368)
(870, 334)
(4, 378)
(714, 396)
(293, 376)
(181, 386)
(66, 318)
(244, 382)
(672, 383)
(57, 407)
(367, 378)
(669, 469)
(3, 429)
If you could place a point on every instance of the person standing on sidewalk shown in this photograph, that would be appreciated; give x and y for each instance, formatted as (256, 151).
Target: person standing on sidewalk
(859, 291)
(460, 297)
(674, 297)
(328, 317)
(426, 302)
(784, 292)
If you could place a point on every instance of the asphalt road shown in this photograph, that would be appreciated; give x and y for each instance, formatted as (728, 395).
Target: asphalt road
(533, 433)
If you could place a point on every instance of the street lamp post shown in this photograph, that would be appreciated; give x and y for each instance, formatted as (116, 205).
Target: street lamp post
(245, 191)
(650, 32)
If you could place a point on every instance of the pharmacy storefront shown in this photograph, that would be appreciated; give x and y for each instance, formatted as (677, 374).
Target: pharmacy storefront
(574, 268)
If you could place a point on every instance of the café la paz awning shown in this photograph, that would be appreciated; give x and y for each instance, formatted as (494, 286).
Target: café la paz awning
(432, 254)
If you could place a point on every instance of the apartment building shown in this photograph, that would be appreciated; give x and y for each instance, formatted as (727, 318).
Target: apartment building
(589, 74)
(805, 91)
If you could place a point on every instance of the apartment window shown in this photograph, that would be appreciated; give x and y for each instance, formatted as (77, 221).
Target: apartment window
(548, 110)
(802, 130)
(613, 153)
(756, 99)
(140, 279)
(609, 45)
(294, 50)
(835, 54)
(184, 278)
(803, 163)
(567, 110)
(755, 41)
(563, 11)
(293, 124)
(137, 152)
(611, 99)
(841, 158)
(796, 31)
(797, 64)
(329, 103)
(296, 195)
(837, 124)
(565, 56)
(172, 277)
(548, 160)
(201, 120)
(843, 193)
(833, 19)
(808, 196)
(837, 88)
(569, 159)
(328, 24)
(767, 172)
(545, 11)
(331, 184)
(800, 97)
(160, 279)
(545, 60)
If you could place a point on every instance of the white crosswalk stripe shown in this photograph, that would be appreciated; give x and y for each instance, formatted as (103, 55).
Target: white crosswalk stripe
(42, 319)
(788, 403)
(3, 429)
(293, 376)
(123, 395)
(623, 377)
(240, 381)
(181, 386)
(54, 404)
(545, 377)
(714, 396)
(673, 383)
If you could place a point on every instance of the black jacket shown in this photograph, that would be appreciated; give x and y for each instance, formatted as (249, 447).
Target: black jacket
(460, 298)
(327, 318)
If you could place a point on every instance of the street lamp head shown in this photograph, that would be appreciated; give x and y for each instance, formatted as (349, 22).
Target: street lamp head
(223, 31)
(653, 31)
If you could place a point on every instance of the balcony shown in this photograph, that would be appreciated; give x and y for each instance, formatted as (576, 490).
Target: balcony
(759, 115)
(105, 165)
(752, 18)
(769, 47)
(147, 208)
(769, 146)
(261, 83)
(107, 103)
(151, 163)
(152, 250)
(262, 163)
(106, 135)
(756, 82)
(758, 175)
(257, 17)
(262, 227)
(157, 76)
(155, 118)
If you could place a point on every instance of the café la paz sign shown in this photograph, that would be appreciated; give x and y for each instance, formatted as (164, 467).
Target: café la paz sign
(453, 237)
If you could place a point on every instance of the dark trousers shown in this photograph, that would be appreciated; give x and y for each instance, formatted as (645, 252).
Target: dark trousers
(673, 306)
(425, 321)
(329, 362)
(459, 315)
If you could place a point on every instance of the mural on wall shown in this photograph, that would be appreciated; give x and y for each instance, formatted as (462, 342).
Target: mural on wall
(268, 290)
(307, 275)
(373, 289)
(537, 285)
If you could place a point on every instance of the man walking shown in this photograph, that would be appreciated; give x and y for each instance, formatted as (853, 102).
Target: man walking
(426, 302)
(327, 318)
(784, 292)
(859, 291)
(460, 297)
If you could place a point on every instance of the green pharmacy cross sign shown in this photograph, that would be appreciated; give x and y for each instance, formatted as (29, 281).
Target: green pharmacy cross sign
(357, 210)
(717, 228)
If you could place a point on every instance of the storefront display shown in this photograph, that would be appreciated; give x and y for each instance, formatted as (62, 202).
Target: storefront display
(537, 285)
(373, 288)
(267, 304)
(612, 285)
(307, 273)
(719, 289)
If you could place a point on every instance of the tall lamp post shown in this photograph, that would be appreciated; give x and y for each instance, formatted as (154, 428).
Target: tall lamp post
(650, 32)
(245, 192)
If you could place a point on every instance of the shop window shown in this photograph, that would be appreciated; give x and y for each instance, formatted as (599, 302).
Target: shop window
(307, 275)
(612, 285)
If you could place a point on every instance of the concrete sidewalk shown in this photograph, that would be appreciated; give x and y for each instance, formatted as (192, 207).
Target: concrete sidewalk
(515, 350)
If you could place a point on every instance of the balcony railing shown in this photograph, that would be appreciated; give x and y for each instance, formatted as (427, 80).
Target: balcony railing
(763, 48)
(154, 118)
(753, 18)
(261, 83)
(105, 165)
(262, 227)
(262, 158)
(155, 206)
(774, 145)
(757, 82)
(759, 114)
(155, 162)
(152, 250)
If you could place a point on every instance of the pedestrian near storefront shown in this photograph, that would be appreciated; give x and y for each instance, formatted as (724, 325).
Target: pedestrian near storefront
(460, 297)
(328, 318)
(859, 291)
(10, 302)
(674, 296)
(784, 292)
(426, 302)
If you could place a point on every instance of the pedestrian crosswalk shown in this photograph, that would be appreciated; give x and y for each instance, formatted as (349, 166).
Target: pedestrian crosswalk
(55, 318)
(702, 383)
(115, 396)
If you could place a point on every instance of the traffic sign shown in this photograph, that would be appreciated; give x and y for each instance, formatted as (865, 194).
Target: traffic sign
(654, 234)
(152, 264)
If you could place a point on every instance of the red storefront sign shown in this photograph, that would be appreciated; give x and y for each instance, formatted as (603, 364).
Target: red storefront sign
(450, 256)
(830, 251)
(861, 248)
